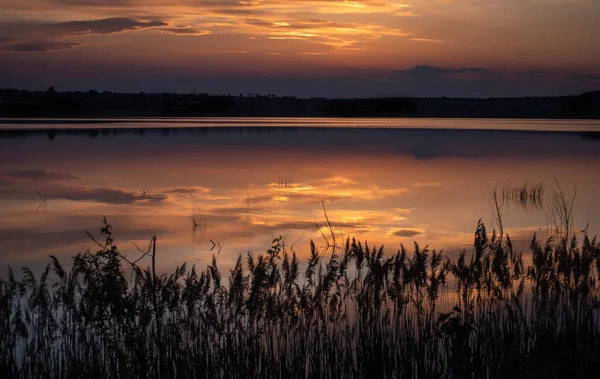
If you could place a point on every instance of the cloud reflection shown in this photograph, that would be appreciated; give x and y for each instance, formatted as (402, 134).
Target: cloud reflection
(387, 187)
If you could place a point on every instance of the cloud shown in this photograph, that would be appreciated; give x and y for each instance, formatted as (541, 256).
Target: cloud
(232, 51)
(425, 184)
(430, 40)
(334, 181)
(252, 228)
(44, 37)
(55, 191)
(102, 26)
(186, 31)
(95, 3)
(188, 190)
(101, 195)
(300, 198)
(43, 175)
(424, 70)
(318, 22)
(41, 46)
(407, 232)
(328, 189)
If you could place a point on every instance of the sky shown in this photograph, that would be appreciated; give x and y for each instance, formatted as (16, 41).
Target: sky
(387, 187)
(468, 48)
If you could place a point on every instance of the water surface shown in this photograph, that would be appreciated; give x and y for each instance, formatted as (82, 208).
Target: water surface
(250, 180)
(8, 124)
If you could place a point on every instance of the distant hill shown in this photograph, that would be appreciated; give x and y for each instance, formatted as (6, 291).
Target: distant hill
(20, 103)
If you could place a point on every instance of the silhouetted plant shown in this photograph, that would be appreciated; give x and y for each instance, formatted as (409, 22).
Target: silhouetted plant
(351, 312)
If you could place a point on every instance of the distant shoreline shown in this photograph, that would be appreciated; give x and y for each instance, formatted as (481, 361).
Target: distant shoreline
(245, 119)
(17, 104)
(65, 120)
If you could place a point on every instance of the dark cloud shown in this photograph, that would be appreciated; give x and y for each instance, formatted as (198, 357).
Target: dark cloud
(258, 22)
(187, 190)
(43, 175)
(33, 37)
(80, 193)
(407, 232)
(535, 72)
(101, 195)
(102, 26)
(41, 46)
(424, 70)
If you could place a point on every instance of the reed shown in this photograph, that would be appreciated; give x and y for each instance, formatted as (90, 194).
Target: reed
(347, 312)
(525, 196)
(198, 225)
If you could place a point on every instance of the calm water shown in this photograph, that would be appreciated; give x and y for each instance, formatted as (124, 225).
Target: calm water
(250, 180)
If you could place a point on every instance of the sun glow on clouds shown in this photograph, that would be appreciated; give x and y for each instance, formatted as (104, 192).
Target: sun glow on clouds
(291, 38)
(330, 23)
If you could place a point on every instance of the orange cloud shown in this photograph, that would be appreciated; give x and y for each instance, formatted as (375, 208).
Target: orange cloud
(373, 34)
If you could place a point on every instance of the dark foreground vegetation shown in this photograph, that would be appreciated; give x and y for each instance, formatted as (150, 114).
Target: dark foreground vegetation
(349, 312)
(19, 103)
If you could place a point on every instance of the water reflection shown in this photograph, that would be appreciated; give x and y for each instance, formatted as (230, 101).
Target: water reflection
(238, 188)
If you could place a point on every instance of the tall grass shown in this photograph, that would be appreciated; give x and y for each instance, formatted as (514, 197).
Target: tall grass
(347, 312)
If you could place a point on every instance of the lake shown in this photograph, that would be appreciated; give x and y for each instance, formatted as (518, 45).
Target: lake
(226, 186)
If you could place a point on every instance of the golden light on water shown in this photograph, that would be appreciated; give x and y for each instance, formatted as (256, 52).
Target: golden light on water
(386, 187)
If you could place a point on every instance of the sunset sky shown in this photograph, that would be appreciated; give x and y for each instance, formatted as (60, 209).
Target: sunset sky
(303, 47)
